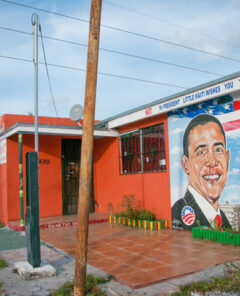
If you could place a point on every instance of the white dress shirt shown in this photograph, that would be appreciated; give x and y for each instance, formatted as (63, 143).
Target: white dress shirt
(209, 212)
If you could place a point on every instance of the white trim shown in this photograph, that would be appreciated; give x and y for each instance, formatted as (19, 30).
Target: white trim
(57, 131)
(200, 95)
(129, 132)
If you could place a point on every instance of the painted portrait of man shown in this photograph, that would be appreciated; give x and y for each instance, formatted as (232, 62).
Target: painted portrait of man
(205, 161)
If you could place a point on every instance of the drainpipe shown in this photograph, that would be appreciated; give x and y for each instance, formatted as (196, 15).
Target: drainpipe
(20, 179)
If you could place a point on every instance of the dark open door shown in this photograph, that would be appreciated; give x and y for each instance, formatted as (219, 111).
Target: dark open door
(70, 176)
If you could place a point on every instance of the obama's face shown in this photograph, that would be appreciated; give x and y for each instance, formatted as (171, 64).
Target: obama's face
(207, 164)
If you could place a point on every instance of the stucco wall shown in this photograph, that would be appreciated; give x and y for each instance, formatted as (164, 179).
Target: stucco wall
(50, 178)
(151, 189)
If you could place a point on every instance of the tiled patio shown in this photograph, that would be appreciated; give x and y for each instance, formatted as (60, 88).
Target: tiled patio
(139, 257)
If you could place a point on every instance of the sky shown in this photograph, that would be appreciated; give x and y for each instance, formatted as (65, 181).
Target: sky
(211, 26)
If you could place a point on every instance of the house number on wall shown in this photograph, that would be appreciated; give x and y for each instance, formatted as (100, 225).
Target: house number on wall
(44, 161)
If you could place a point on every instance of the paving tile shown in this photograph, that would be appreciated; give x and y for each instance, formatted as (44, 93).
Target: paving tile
(139, 257)
(123, 269)
(139, 279)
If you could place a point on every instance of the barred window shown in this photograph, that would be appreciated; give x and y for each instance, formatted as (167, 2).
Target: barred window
(130, 151)
(143, 150)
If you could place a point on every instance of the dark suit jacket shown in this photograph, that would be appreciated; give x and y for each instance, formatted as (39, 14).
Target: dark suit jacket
(189, 200)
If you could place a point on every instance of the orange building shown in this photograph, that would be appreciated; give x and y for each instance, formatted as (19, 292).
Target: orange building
(133, 153)
(59, 159)
(116, 175)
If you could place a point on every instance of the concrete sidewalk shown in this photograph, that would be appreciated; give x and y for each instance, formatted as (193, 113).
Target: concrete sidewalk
(12, 249)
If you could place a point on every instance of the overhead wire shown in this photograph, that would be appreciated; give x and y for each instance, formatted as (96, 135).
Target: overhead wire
(45, 60)
(118, 52)
(45, 10)
(170, 23)
(127, 32)
(100, 73)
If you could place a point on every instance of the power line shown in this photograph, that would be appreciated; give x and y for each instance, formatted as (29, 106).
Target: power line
(45, 60)
(100, 73)
(119, 52)
(170, 23)
(45, 10)
(127, 32)
(161, 62)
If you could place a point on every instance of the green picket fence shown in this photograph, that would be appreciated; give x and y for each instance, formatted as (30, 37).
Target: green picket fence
(222, 237)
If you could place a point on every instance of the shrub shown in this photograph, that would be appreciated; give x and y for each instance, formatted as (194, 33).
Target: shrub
(130, 208)
(146, 215)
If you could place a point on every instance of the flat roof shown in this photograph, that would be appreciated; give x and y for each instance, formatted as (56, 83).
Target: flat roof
(49, 129)
(160, 106)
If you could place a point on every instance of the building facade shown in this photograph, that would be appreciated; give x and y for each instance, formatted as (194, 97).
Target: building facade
(141, 152)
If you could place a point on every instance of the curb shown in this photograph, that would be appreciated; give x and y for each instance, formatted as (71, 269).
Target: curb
(56, 225)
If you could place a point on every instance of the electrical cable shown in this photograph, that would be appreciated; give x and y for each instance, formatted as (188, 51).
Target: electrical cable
(119, 52)
(45, 10)
(170, 23)
(127, 32)
(45, 60)
(100, 73)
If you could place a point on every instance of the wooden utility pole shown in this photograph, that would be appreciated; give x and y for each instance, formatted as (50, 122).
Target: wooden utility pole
(87, 150)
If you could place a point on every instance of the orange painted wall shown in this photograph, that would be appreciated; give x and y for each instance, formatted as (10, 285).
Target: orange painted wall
(152, 189)
(3, 193)
(8, 120)
(50, 176)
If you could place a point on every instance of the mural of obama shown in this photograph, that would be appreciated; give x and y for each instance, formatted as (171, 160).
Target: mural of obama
(205, 160)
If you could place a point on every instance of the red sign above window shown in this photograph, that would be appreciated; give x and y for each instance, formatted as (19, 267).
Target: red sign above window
(148, 111)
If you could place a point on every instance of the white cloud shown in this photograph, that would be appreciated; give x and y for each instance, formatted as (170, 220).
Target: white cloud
(233, 187)
(176, 131)
(175, 150)
(232, 197)
(175, 165)
(237, 159)
(235, 171)
(173, 118)
(178, 191)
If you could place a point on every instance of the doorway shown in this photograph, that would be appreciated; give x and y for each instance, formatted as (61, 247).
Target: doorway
(70, 176)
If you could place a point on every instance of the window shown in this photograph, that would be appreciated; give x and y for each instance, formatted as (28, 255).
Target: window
(130, 151)
(154, 156)
(143, 150)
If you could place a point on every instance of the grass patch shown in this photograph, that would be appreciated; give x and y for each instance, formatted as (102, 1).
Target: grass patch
(229, 283)
(91, 287)
(1, 291)
(3, 263)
